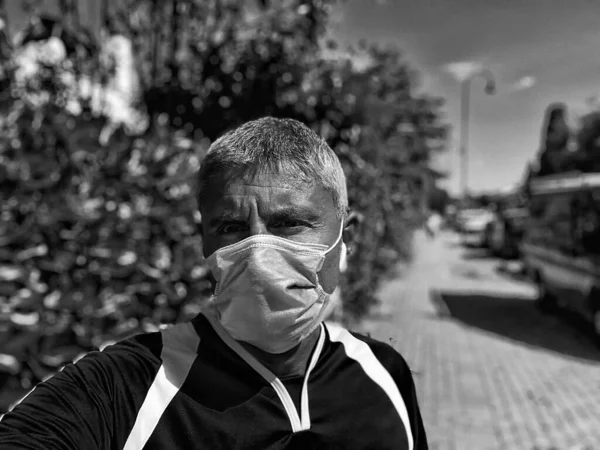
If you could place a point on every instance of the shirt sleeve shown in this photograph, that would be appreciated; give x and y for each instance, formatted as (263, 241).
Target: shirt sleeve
(397, 367)
(84, 406)
(406, 386)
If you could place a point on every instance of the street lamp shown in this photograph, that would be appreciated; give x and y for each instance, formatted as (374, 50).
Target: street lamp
(490, 89)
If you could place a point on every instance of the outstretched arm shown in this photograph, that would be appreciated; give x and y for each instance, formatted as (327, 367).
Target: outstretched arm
(406, 385)
(88, 405)
(69, 411)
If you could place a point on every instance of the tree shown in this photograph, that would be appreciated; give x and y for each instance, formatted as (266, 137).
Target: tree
(555, 139)
(233, 68)
(588, 142)
(96, 243)
(220, 63)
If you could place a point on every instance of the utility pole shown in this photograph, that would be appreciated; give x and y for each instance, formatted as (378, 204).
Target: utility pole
(465, 100)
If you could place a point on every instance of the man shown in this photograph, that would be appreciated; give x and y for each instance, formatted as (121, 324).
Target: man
(258, 369)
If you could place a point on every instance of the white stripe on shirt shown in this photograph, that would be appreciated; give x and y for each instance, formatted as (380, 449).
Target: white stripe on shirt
(179, 349)
(362, 353)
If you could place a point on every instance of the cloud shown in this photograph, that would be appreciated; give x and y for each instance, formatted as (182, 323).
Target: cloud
(461, 70)
(525, 82)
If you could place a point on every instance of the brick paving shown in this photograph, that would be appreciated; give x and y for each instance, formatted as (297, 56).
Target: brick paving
(491, 372)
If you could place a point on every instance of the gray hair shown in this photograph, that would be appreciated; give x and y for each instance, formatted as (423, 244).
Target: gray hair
(279, 145)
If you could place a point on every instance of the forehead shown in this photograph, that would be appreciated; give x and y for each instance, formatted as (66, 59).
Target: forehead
(265, 192)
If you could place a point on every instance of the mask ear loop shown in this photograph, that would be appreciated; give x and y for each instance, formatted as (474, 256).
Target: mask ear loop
(343, 254)
(337, 240)
(330, 248)
(343, 267)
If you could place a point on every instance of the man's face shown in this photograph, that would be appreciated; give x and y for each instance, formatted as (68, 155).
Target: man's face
(235, 208)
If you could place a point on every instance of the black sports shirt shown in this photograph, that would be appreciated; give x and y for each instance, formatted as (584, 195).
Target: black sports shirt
(192, 386)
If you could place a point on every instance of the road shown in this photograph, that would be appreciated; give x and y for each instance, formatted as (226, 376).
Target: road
(491, 372)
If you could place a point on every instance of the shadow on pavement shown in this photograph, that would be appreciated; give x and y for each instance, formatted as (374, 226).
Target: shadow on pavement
(471, 253)
(518, 319)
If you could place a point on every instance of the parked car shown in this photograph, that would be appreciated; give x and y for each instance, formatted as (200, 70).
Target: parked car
(472, 224)
(505, 232)
(561, 244)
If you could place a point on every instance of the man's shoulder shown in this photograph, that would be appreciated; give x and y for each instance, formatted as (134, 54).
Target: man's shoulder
(151, 347)
(143, 352)
(131, 363)
(123, 361)
(143, 347)
(387, 355)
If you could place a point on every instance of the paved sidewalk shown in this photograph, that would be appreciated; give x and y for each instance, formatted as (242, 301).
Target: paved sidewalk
(491, 372)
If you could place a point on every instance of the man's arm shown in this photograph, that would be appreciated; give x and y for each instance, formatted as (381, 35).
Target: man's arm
(401, 374)
(88, 405)
(406, 385)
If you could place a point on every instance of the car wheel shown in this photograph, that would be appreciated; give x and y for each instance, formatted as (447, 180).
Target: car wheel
(545, 301)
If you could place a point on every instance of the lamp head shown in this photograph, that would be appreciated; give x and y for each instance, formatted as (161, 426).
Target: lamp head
(490, 87)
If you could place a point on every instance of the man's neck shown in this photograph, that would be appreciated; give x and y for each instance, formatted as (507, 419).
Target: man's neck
(291, 363)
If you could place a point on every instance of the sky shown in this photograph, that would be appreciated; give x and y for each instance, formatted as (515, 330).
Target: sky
(540, 51)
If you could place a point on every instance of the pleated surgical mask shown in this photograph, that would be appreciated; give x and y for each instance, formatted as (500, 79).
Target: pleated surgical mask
(268, 291)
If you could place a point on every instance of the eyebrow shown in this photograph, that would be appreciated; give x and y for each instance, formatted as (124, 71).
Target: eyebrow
(225, 216)
(296, 212)
(287, 212)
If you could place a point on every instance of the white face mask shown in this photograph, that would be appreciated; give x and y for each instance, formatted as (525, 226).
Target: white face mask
(268, 292)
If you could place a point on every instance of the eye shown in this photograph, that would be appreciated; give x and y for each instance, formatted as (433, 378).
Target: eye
(287, 224)
(231, 229)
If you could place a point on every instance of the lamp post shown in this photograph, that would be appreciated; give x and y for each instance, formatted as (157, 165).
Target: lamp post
(490, 89)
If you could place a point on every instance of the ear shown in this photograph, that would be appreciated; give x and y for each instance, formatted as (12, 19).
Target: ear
(351, 229)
